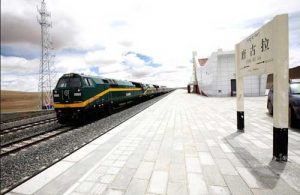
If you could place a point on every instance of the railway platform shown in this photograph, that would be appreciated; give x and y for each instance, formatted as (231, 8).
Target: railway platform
(183, 144)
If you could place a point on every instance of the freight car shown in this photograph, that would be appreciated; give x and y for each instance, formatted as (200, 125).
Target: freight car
(78, 96)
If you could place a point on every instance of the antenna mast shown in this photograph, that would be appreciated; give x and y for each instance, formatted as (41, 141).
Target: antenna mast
(46, 69)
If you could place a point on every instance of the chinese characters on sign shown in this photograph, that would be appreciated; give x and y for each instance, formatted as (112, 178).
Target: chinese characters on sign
(255, 52)
(264, 46)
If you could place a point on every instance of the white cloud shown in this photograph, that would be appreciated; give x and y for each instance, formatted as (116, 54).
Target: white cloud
(19, 65)
(168, 31)
(19, 82)
(102, 57)
(294, 57)
(19, 74)
(68, 64)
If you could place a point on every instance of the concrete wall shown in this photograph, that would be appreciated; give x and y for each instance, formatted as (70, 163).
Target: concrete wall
(214, 78)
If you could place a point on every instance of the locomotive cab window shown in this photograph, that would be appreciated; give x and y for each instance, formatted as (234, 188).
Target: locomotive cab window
(91, 82)
(69, 82)
(88, 82)
(105, 81)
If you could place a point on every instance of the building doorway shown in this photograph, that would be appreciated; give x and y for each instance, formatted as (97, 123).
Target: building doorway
(233, 87)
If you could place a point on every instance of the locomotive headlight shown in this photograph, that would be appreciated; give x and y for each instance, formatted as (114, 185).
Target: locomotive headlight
(55, 94)
(77, 94)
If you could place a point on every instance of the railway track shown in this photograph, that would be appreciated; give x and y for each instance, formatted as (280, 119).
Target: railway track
(16, 128)
(10, 148)
(13, 117)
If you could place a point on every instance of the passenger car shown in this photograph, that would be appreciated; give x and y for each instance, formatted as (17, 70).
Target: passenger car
(294, 102)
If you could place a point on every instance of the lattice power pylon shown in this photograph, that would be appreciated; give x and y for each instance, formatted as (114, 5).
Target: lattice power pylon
(46, 69)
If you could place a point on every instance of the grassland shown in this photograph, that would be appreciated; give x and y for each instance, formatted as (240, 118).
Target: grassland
(17, 101)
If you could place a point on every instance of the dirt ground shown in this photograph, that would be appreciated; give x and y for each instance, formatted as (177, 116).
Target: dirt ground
(16, 101)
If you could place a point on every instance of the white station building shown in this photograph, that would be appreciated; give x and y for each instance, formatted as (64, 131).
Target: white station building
(216, 76)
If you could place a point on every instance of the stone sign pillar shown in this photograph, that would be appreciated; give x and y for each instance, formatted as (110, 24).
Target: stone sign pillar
(263, 52)
(239, 94)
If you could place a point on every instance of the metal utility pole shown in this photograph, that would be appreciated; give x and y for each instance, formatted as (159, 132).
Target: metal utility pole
(46, 69)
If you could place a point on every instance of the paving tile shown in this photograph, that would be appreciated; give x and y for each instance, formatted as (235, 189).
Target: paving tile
(236, 185)
(237, 161)
(123, 179)
(158, 182)
(226, 167)
(177, 157)
(144, 171)
(118, 163)
(113, 170)
(150, 156)
(225, 147)
(81, 153)
(98, 188)
(217, 152)
(107, 178)
(249, 178)
(193, 165)
(113, 157)
(177, 146)
(114, 192)
(211, 142)
(162, 164)
(177, 189)
(279, 187)
(76, 193)
(84, 187)
(260, 144)
(101, 169)
(190, 150)
(137, 187)
(212, 175)
(220, 190)
(296, 159)
(93, 177)
(108, 162)
(177, 173)
(202, 147)
(123, 157)
(43, 178)
(196, 184)
(206, 158)
(154, 146)
(133, 162)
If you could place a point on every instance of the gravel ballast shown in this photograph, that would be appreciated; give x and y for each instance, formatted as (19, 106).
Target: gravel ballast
(28, 132)
(17, 116)
(27, 163)
(27, 121)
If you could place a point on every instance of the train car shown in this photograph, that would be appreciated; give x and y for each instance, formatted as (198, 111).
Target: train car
(77, 95)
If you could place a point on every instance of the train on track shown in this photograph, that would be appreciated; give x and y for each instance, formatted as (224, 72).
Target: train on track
(76, 96)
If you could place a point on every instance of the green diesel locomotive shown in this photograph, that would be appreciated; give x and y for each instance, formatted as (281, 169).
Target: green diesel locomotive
(76, 96)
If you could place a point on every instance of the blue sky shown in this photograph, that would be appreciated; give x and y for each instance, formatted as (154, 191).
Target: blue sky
(20, 51)
(146, 41)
